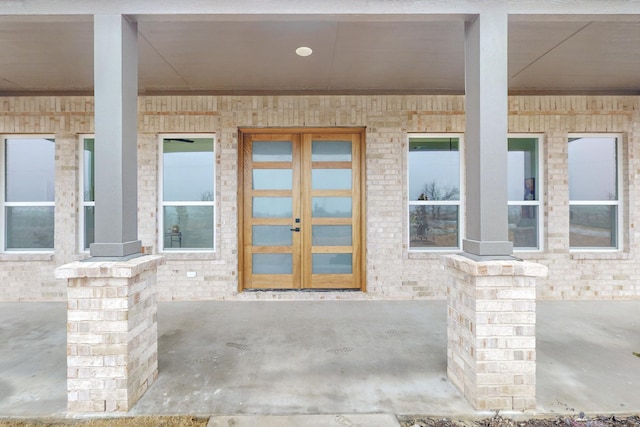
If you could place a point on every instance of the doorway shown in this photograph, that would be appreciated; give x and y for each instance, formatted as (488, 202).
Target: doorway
(301, 219)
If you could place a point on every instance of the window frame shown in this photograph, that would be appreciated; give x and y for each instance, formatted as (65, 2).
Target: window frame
(5, 204)
(540, 188)
(81, 202)
(618, 203)
(162, 203)
(460, 203)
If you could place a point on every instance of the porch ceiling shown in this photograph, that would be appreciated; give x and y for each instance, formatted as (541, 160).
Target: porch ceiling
(55, 54)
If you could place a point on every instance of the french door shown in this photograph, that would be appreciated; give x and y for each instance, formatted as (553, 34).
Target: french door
(301, 210)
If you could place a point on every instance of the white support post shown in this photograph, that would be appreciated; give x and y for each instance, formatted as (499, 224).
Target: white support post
(486, 108)
(116, 128)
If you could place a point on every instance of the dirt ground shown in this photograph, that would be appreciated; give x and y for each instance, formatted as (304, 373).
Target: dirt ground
(579, 421)
(178, 421)
(415, 421)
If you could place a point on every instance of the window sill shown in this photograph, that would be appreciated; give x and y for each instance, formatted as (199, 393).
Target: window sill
(189, 256)
(612, 255)
(528, 252)
(171, 256)
(431, 255)
(26, 256)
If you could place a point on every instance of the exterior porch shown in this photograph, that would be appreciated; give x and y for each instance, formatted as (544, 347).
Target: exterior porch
(326, 357)
(493, 104)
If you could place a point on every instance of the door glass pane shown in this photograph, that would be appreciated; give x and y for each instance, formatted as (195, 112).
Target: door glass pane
(593, 226)
(331, 264)
(272, 263)
(523, 169)
(331, 179)
(523, 226)
(188, 227)
(331, 235)
(593, 168)
(30, 170)
(271, 151)
(272, 179)
(434, 169)
(88, 174)
(89, 226)
(272, 207)
(271, 235)
(187, 169)
(29, 227)
(433, 226)
(331, 151)
(331, 207)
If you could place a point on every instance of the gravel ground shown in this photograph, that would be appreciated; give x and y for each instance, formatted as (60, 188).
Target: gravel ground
(579, 421)
(405, 421)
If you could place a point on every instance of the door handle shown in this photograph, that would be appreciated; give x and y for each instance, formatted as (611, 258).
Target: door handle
(297, 229)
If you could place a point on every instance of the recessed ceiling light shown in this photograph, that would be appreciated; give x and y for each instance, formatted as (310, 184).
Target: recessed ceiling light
(304, 51)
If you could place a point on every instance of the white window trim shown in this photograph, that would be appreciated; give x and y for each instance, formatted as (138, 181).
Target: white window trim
(460, 203)
(162, 203)
(81, 202)
(541, 188)
(619, 187)
(5, 204)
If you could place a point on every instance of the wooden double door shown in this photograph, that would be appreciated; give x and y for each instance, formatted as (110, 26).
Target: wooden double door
(302, 214)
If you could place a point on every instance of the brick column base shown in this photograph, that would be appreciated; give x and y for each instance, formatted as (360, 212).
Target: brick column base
(491, 330)
(112, 332)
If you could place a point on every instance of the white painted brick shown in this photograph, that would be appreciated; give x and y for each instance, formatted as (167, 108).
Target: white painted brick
(102, 352)
(493, 361)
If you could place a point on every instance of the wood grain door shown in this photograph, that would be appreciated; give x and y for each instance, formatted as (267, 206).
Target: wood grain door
(301, 211)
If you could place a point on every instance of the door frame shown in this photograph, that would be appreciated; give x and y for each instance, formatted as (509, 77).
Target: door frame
(302, 131)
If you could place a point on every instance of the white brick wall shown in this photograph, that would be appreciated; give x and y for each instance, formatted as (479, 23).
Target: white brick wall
(392, 272)
(112, 339)
(491, 331)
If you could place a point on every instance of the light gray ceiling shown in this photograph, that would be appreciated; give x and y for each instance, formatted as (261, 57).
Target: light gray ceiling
(374, 56)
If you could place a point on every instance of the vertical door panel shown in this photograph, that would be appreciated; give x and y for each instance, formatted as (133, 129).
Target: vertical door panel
(271, 204)
(331, 211)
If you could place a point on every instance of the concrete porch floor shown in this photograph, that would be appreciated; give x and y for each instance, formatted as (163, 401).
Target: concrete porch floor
(326, 357)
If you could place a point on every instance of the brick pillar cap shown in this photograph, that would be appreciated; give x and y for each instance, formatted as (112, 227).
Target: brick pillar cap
(514, 267)
(123, 269)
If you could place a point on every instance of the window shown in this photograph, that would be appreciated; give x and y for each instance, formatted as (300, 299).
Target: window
(434, 192)
(87, 201)
(29, 183)
(594, 195)
(187, 193)
(524, 189)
